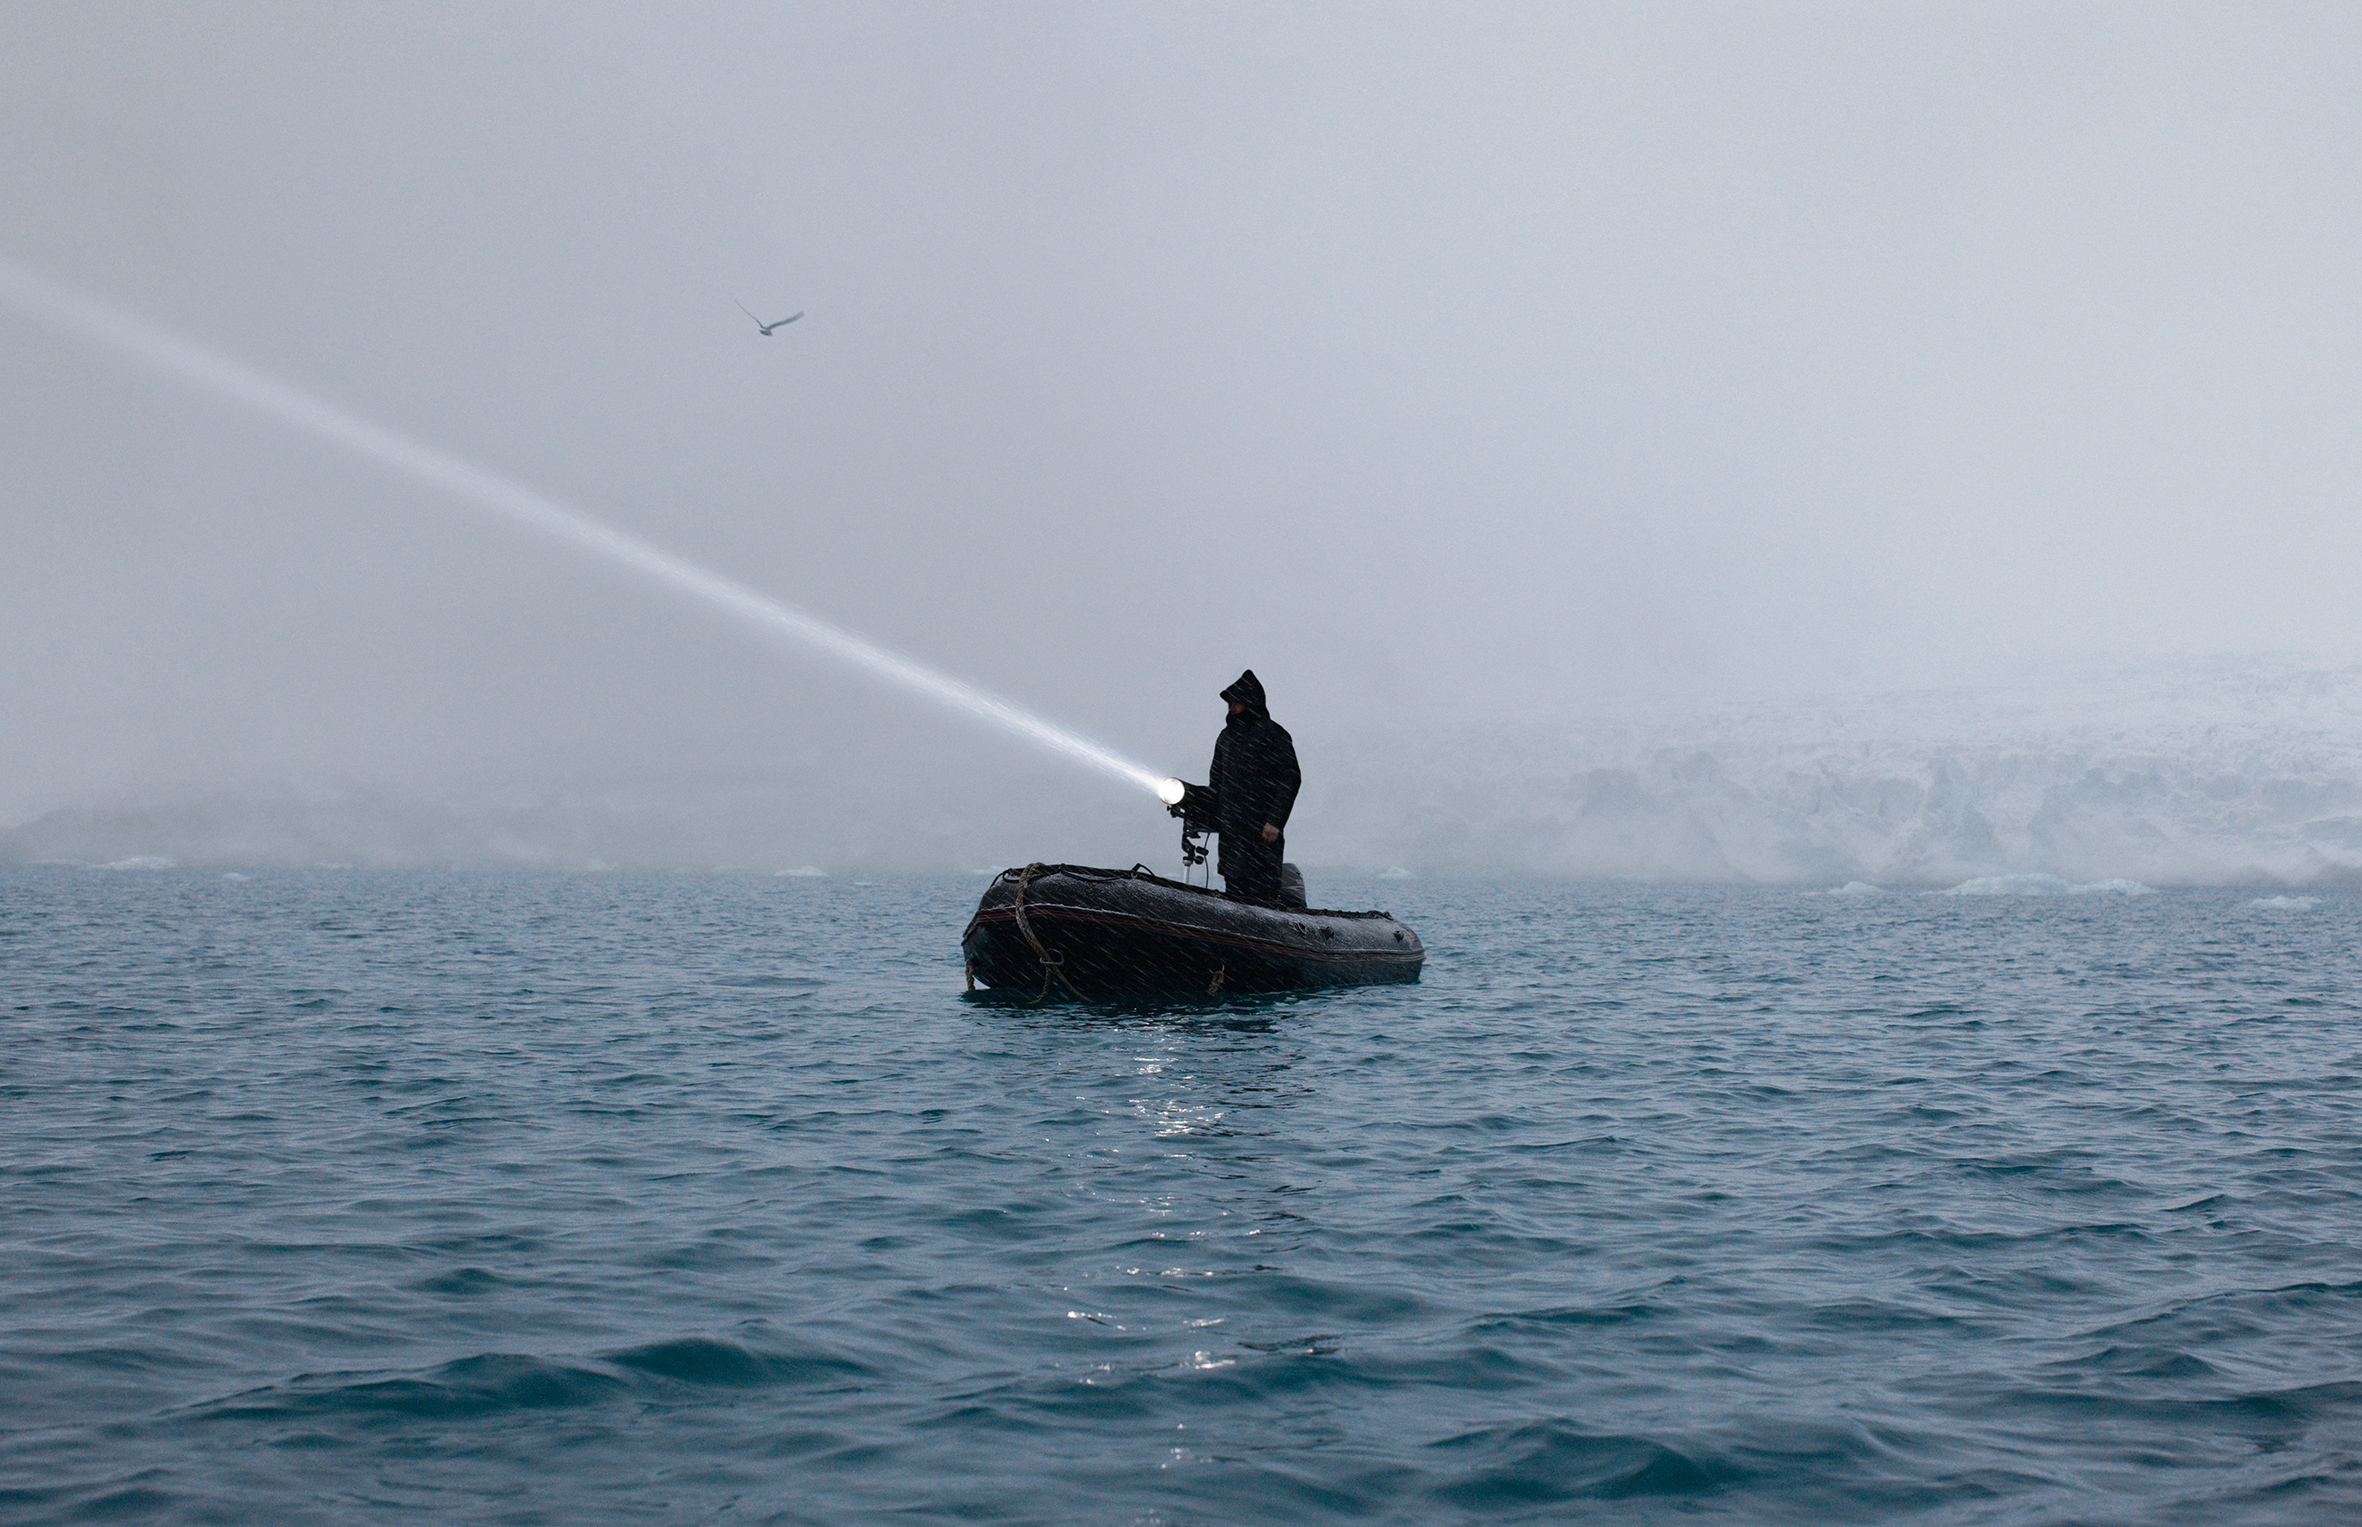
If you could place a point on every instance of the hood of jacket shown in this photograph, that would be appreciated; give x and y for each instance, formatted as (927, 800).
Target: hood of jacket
(1248, 691)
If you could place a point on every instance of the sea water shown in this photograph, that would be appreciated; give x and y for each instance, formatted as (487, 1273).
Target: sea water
(335, 1195)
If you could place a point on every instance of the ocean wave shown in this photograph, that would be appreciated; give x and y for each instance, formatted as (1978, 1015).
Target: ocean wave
(720, 1364)
(492, 1383)
(1547, 1461)
(495, 1383)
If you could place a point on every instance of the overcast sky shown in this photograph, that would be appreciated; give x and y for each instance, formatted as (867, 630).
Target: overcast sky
(1434, 361)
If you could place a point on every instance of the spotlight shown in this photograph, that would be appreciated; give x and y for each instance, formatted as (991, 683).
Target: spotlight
(1171, 791)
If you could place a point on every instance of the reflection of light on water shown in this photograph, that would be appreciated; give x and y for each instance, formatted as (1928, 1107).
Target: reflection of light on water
(226, 378)
(1171, 1116)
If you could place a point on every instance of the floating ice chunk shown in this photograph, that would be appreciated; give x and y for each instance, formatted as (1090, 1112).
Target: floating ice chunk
(233, 875)
(2012, 885)
(2286, 903)
(1856, 888)
(2046, 885)
(1394, 872)
(140, 862)
(804, 870)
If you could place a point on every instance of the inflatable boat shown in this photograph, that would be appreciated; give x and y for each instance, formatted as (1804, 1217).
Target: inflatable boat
(1091, 933)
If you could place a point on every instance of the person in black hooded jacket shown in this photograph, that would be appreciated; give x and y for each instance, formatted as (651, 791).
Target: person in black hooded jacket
(1254, 780)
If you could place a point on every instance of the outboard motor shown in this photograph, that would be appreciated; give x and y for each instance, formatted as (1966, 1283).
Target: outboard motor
(1291, 888)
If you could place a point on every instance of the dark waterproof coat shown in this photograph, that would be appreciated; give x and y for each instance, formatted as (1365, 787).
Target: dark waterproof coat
(1253, 778)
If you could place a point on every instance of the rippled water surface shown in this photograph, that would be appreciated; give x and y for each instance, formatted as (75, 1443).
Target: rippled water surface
(332, 1196)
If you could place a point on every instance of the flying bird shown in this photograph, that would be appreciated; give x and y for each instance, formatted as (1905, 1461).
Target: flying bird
(766, 328)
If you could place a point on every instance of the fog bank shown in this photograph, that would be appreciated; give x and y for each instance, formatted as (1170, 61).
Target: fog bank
(2216, 772)
(1539, 399)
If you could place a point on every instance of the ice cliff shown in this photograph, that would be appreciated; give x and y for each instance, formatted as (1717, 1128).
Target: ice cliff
(2216, 772)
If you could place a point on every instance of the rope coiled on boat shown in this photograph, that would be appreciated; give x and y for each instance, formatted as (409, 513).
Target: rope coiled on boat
(1052, 965)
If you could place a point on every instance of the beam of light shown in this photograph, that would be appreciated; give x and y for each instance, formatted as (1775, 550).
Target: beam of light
(227, 378)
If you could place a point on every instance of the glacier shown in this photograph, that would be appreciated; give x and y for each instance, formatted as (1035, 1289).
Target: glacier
(2095, 780)
(2189, 772)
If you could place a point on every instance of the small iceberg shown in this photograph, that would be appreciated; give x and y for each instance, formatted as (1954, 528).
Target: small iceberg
(140, 862)
(1394, 872)
(1856, 888)
(802, 871)
(233, 875)
(2045, 885)
(2285, 904)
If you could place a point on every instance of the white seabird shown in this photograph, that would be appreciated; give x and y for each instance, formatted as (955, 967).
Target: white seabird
(766, 328)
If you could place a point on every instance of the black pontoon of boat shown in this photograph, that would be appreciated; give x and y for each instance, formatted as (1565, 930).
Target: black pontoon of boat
(1104, 933)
